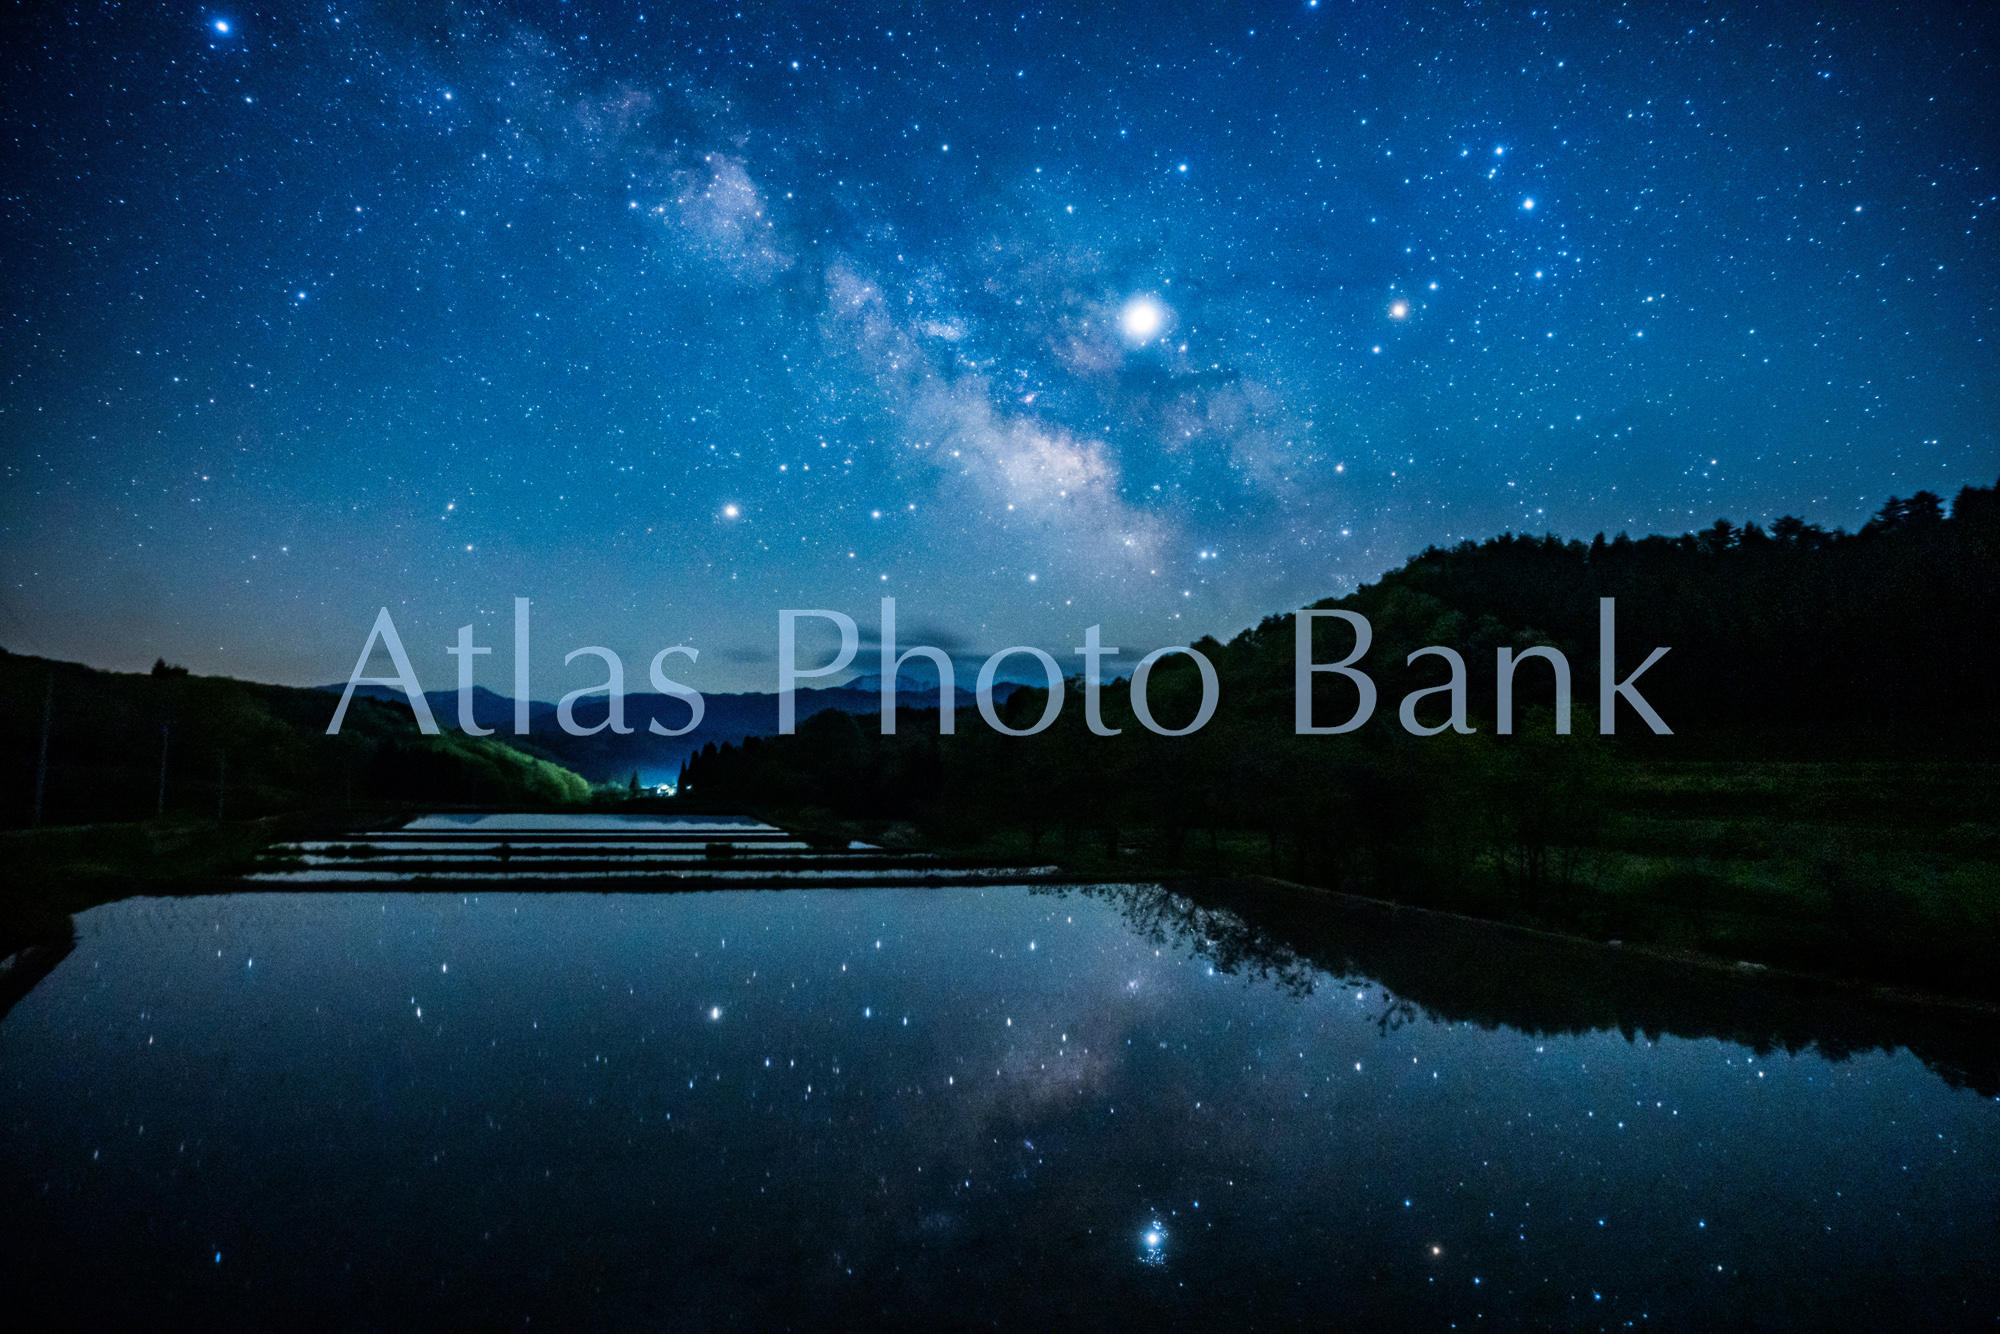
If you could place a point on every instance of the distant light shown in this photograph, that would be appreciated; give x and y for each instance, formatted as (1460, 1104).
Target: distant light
(1184, 168)
(715, 1013)
(1528, 203)
(221, 26)
(730, 511)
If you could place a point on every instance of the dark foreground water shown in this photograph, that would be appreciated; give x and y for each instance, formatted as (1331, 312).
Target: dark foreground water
(935, 1108)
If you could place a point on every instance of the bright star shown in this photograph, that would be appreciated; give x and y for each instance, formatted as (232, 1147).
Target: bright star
(221, 26)
(729, 511)
(1399, 310)
(1527, 203)
(1142, 318)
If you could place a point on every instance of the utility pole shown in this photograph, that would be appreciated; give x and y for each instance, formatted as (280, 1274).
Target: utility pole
(165, 730)
(42, 763)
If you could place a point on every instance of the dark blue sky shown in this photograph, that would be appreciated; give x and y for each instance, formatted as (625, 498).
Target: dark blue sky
(670, 316)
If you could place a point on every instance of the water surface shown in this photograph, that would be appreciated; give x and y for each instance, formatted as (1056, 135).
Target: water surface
(927, 1106)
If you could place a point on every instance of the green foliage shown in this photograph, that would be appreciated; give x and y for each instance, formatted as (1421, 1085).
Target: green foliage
(234, 749)
(1794, 642)
(1796, 629)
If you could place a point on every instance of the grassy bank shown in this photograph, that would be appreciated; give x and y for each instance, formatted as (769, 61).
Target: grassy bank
(1883, 870)
(52, 873)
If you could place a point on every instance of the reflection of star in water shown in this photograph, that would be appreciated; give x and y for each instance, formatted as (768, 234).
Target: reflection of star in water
(1154, 1238)
(1399, 310)
(1142, 318)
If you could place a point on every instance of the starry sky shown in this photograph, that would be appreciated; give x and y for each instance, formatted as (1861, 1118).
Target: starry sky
(668, 316)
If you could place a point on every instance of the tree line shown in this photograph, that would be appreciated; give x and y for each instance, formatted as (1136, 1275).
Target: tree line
(1794, 640)
(86, 746)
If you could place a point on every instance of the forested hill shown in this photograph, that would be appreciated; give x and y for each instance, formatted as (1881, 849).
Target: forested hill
(1796, 642)
(1861, 659)
(1791, 629)
(106, 746)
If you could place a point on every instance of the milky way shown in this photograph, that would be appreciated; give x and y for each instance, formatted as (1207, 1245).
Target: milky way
(668, 317)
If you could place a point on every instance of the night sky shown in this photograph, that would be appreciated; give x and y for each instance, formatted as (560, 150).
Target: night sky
(668, 316)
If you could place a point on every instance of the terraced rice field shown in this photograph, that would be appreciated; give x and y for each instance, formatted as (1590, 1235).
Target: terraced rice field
(522, 851)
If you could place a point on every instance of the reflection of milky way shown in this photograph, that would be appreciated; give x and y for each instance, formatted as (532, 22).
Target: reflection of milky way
(809, 1100)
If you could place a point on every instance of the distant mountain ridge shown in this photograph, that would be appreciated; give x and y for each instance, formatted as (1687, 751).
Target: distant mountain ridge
(609, 757)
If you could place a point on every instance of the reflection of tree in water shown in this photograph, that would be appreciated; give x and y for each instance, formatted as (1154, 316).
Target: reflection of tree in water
(1396, 1013)
(1223, 937)
(1456, 970)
